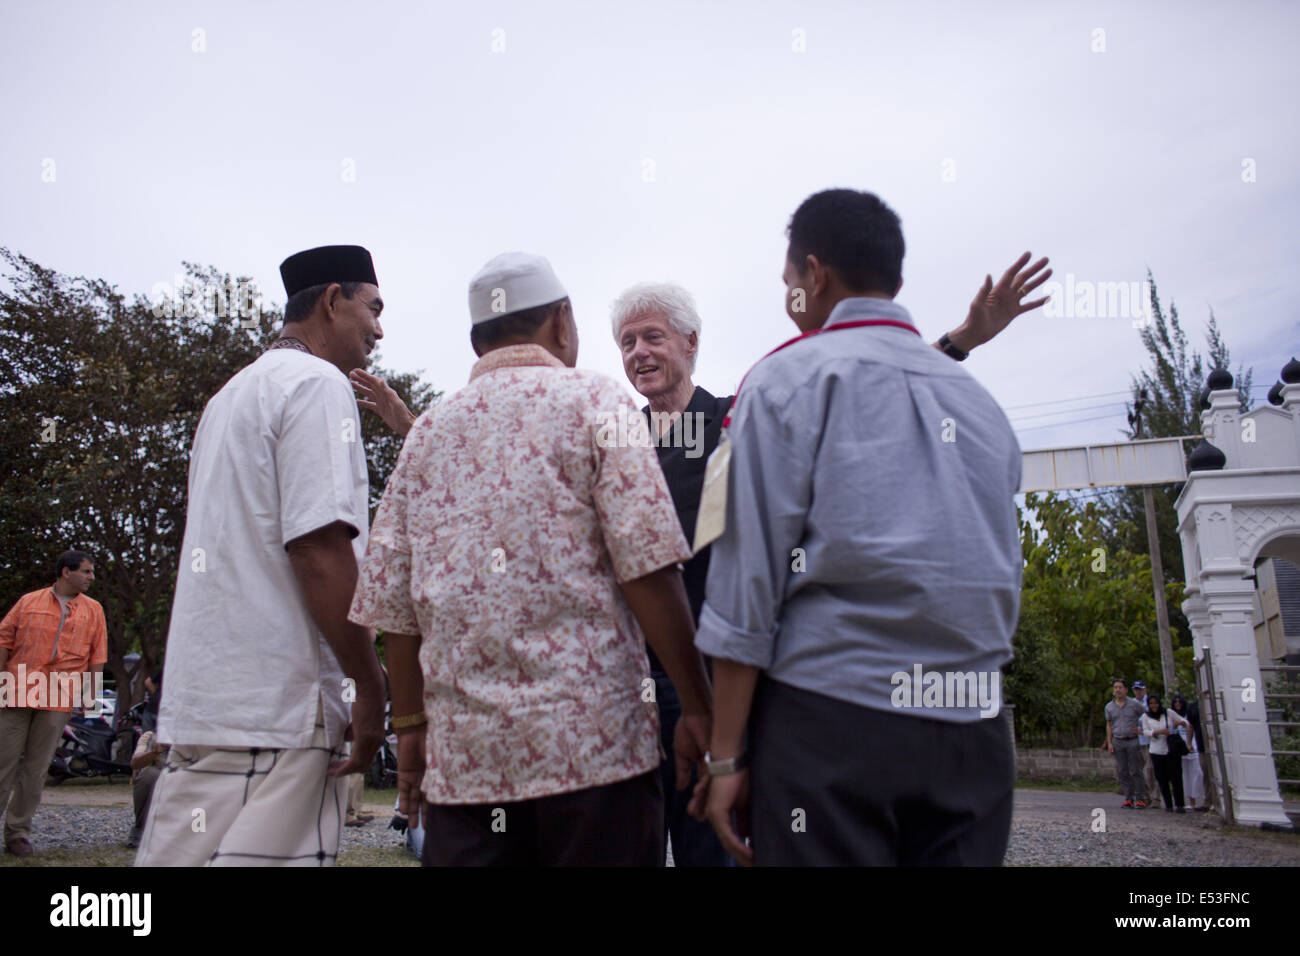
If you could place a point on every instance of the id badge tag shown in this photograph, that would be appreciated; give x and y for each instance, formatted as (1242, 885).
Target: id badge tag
(711, 520)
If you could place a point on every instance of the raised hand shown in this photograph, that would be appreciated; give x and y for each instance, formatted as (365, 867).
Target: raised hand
(995, 306)
(378, 396)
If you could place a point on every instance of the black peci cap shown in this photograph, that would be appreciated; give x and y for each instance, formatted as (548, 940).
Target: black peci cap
(326, 264)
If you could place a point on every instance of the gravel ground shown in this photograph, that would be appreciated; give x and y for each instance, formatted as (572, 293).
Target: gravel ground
(1049, 828)
(1055, 828)
(96, 814)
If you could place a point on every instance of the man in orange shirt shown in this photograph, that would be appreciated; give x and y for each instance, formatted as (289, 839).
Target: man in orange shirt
(52, 644)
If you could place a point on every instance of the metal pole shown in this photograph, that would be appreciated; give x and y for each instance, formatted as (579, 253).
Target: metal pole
(1213, 702)
(1157, 566)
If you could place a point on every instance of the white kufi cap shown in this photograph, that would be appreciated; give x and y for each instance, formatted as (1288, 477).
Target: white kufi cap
(512, 282)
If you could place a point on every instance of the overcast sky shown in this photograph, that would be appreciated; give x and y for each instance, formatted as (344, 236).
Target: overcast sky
(672, 141)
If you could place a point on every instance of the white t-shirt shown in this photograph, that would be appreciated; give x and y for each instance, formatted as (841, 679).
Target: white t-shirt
(277, 454)
(1160, 745)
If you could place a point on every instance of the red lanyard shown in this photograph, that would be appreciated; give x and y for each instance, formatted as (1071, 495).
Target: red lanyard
(856, 324)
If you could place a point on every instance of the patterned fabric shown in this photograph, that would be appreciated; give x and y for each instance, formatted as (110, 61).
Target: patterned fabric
(289, 342)
(502, 537)
(261, 807)
(32, 634)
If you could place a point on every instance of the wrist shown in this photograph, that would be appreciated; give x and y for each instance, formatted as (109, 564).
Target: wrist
(717, 766)
(725, 749)
(963, 338)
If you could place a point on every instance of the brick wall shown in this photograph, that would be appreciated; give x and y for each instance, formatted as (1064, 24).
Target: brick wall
(1064, 764)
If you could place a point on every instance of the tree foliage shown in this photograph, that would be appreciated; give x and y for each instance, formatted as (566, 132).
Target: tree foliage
(1172, 384)
(1087, 616)
(99, 401)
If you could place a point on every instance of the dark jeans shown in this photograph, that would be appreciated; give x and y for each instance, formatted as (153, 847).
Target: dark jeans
(694, 842)
(1169, 768)
(836, 784)
(619, 824)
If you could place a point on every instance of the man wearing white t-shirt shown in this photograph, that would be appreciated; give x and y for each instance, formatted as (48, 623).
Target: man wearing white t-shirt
(262, 662)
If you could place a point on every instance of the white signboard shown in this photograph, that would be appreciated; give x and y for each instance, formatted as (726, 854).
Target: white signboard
(1153, 461)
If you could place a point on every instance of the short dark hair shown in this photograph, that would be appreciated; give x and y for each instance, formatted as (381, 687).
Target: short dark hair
(514, 325)
(853, 232)
(301, 303)
(70, 560)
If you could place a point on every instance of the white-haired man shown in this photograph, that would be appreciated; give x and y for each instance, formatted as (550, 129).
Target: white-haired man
(657, 328)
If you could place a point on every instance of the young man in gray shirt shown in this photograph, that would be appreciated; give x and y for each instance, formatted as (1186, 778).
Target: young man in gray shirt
(862, 597)
(1123, 715)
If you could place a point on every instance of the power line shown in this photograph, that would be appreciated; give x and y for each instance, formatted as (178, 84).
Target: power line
(1081, 398)
(1066, 411)
(1059, 401)
(1076, 421)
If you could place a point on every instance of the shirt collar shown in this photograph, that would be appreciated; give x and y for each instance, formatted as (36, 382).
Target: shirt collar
(510, 356)
(701, 401)
(860, 307)
(55, 595)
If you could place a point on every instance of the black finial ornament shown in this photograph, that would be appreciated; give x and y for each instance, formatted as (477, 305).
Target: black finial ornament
(1205, 457)
(1220, 378)
(1275, 394)
(1291, 372)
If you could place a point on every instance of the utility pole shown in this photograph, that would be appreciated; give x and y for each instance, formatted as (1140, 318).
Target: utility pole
(1157, 567)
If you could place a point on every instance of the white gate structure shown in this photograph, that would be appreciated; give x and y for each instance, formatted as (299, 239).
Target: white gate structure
(1240, 502)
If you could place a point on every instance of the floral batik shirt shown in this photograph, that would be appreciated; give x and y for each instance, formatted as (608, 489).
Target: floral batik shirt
(502, 538)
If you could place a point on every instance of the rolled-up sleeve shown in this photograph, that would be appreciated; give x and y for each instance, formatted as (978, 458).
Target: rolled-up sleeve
(768, 494)
(383, 595)
(99, 641)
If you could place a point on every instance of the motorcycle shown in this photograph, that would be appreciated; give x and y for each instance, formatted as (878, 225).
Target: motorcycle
(382, 774)
(94, 747)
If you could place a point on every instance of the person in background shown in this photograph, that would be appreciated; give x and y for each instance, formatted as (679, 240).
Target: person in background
(1123, 721)
(1157, 723)
(356, 815)
(1193, 780)
(1144, 742)
(153, 693)
(51, 632)
(146, 764)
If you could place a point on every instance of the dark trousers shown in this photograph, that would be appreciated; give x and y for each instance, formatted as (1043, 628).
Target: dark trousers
(1169, 768)
(694, 842)
(142, 794)
(619, 824)
(835, 784)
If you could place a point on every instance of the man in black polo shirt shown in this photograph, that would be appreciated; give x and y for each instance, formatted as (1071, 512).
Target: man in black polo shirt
(657, 329)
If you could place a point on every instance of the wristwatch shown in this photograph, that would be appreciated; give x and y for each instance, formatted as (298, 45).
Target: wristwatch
(720, 768)
(950, 350)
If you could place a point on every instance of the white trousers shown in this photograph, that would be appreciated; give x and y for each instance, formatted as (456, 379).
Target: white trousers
(220, 806)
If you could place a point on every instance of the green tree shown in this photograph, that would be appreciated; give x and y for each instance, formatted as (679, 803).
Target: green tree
(99, 401)
(1172, 385)
(1087, 615)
